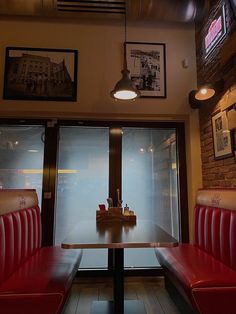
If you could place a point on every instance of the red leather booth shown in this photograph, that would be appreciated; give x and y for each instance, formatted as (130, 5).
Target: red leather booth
(204, 272)
(33, 279)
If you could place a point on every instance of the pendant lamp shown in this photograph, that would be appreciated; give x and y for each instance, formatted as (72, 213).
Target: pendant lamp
(125, 88)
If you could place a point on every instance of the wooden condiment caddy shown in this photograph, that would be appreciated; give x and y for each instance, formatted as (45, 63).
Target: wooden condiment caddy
(115, 214)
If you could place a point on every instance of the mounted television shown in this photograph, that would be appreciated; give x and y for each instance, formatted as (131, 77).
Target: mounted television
(233, 6)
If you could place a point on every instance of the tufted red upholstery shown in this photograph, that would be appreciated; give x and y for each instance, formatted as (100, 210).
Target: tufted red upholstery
(33, 279)
(205, 272)
(215, 233)
(20, 238)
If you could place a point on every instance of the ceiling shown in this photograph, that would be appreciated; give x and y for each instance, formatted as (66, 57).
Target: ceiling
(183, 11)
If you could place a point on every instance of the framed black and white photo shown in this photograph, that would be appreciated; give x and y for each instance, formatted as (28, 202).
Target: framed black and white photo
(40, 74)
(221, 136)
(147, 65)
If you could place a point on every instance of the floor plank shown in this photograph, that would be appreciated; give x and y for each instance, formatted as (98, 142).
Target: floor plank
(73, 300)
(130, 293)
(86, 296)
(148, 289)
(167, 304)
(147, 294)
(105, 292)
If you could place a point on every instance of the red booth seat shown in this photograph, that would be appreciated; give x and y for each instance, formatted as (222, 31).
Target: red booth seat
(204, 272)
(33, 279)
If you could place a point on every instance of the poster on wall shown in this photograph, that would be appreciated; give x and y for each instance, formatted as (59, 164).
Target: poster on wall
(221, 136)
(147, 65)
(40, 74)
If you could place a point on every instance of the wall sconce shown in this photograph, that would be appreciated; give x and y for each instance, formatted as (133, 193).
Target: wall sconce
(204, 93)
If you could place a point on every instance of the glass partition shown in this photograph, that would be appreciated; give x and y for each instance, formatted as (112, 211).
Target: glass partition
(21, 157)
(150, 178)
(149, 184)
(83, 163)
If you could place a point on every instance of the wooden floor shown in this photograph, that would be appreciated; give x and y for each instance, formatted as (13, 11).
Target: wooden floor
(150, 290)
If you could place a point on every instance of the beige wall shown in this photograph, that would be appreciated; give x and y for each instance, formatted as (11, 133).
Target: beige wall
(100, 61)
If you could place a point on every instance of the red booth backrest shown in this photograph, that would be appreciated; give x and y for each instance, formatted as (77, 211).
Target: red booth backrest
(20, 229)
(215, 224)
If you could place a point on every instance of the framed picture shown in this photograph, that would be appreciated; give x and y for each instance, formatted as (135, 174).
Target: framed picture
(221, 136)
(40, 74)
(147, 65)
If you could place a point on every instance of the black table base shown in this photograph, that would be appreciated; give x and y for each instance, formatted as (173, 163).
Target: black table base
(118, 306)
(116, 237)
(107, 307)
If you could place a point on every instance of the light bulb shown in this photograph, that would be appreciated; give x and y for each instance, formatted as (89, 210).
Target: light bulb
(203, 91)
(125, 94)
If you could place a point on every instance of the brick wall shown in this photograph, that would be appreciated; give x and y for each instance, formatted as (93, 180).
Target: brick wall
(216, 173)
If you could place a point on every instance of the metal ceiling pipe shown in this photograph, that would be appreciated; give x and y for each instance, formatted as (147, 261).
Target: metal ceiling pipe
(184, 11)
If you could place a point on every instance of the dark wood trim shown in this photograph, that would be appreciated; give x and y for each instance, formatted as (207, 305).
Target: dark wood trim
(121, 123)
(182, 178)
(12, 121)
(137, 272)
(49, 183)
(142, 272)
(115, 162)
(115, 169)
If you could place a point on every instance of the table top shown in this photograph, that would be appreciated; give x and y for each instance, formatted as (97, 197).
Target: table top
(144, 234)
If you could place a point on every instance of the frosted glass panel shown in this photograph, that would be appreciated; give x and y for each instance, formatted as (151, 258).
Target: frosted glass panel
(82, 183)
(21, 157)
(149, 184)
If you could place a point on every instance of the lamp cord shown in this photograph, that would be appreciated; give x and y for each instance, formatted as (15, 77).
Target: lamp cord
(125, 25)
(125, 61)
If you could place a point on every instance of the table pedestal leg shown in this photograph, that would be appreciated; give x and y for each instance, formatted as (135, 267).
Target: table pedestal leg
(118, 281)
(118, 306)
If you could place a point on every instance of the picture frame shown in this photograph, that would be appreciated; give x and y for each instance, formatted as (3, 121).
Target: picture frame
(147, 65)
(40, 74)
(221, 136)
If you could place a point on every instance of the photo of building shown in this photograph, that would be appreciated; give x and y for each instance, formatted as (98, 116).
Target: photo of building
(37, 76)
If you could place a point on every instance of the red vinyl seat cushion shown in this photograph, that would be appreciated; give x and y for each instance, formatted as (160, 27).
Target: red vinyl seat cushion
(197, 275)
(33, 279)
(41, 283)
(204, 272)
(195, 268)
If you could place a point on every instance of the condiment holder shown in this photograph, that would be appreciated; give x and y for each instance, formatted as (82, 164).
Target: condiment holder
(115, 214)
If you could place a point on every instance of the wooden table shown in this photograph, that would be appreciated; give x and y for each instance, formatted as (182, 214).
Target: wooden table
(117, 236)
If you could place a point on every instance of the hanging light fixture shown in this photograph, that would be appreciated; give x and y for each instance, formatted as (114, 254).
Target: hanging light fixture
(125, 88)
